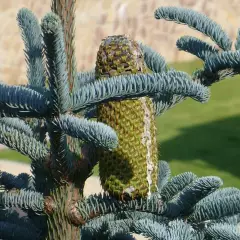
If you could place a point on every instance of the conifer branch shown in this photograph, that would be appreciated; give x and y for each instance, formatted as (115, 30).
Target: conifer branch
(22, 100)
(164, 173)
(220, 193)
(14, 231)
(59, 151)
(232, 219)
(153, 59)
(191, 194)
(176, 230)
(149, 228)
(221, 61)
(24, 199)
(196, 47)
(118, 227)
(96, 133)
(59, 88)
(8, 111)
(212, 210)
(13, 112)
(130, 86)
(217, 66)
(104, 225)
(208, 78)
(56, 63)
(17, 124)
(177, 184)
(10, 181)
(107, 226)
(196, 21)
(162, 103)
(223, 231)
(23, 143)
(97, 205)
(32, 37)
(83, 78)
(12, 216)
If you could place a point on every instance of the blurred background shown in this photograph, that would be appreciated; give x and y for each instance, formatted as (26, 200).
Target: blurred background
(203, 138)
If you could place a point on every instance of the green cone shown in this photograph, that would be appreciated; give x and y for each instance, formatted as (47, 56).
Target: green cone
(131, 169)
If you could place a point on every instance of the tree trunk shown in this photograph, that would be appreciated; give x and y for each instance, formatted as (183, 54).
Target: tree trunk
(65, 9)
(59, 225)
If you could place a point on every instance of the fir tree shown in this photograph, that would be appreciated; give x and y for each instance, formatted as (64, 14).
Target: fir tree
(60, 102)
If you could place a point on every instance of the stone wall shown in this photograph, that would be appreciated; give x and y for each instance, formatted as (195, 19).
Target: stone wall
(96, 19)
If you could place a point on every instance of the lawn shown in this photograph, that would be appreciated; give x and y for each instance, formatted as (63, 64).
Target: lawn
(202, 138)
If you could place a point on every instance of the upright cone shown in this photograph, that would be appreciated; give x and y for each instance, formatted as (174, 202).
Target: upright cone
(130, 170)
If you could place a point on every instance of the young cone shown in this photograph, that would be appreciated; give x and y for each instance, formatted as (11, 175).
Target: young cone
(130, 170)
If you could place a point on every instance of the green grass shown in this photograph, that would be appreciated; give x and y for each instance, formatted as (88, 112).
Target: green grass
(12, 155)
(202, 138)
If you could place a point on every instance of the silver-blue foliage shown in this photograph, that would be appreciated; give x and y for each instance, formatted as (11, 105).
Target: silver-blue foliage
(25, 199)
(130, 86)
(97, 133)
(23, 99)
(23, 143)
(164, 173)
(17, 124)
(197, 21)
(56, 62)
(153, 59)
(32, 37)
(223, 60)
(223, 231)
(197, 47)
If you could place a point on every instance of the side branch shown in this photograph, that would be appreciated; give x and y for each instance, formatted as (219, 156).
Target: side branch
(138, 85)
(23, 99)
(97, 205)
